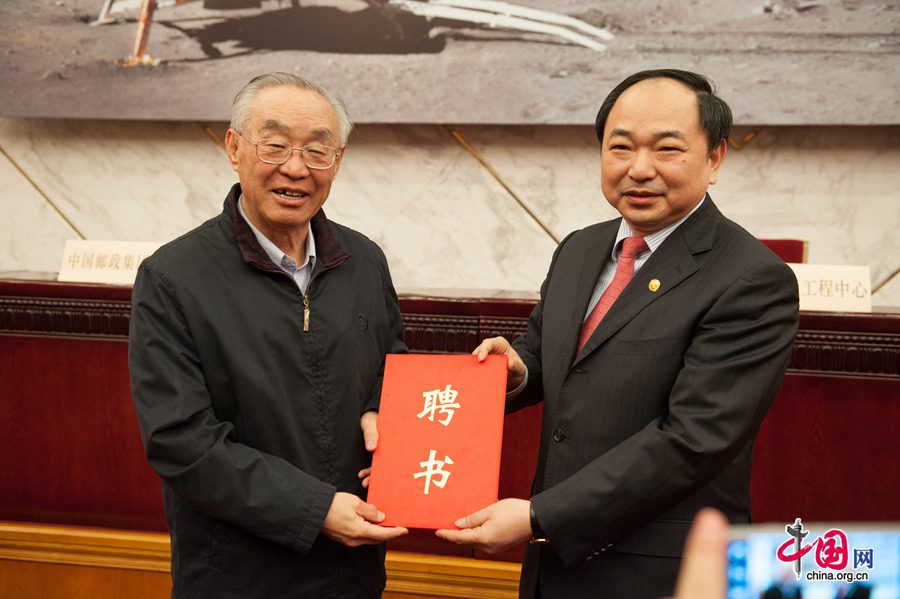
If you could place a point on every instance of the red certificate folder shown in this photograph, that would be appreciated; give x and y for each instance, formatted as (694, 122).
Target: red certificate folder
(440, 428)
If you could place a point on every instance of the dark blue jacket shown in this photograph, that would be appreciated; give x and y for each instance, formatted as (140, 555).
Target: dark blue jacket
(251, 422)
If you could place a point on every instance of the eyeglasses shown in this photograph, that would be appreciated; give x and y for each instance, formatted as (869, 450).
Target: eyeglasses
(273, 152)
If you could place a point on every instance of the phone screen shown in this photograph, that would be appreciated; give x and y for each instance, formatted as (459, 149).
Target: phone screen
(851, 561)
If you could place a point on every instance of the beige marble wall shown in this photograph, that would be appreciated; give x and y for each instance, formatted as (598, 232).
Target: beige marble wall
(448, 222)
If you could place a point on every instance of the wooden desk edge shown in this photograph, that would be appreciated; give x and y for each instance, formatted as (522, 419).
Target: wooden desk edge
(409, 574)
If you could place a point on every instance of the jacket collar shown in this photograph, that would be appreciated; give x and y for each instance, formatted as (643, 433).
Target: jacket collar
(329, 249)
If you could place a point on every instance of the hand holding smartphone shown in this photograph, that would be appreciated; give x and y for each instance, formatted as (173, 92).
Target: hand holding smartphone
(814, 561)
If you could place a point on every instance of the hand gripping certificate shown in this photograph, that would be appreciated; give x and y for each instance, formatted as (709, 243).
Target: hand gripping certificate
(440, 429)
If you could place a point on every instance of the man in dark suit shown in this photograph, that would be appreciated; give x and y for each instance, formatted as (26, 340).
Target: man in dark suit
(654, 384)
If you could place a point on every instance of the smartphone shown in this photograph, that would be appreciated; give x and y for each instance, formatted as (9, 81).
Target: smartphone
(815, 561)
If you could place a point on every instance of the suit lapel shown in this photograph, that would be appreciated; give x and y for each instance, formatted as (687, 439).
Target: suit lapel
(670, 264)
(593, 256)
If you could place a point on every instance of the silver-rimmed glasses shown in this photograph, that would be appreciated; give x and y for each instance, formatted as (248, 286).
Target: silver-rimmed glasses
(270, 151)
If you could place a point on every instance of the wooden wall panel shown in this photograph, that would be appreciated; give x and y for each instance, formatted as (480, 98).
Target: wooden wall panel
(62, 581)
(39, 561)
(68, 426)
(828, 451)
(71, 453)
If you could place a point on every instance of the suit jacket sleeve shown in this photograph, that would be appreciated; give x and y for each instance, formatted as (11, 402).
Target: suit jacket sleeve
(528, 346)
(730, 374)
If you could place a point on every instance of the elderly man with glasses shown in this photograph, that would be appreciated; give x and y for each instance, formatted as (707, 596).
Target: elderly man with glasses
(256, 353)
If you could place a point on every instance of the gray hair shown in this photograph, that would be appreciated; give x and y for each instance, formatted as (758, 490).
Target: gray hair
(240, 107)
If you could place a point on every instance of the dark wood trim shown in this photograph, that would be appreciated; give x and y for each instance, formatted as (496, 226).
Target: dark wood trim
(54, 317)
(844, 353)
(831, 344)
(73, 310)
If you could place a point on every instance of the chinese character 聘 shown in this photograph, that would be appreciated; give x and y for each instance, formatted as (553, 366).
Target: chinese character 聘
(863, 557)
(433, 468)
(443, 401)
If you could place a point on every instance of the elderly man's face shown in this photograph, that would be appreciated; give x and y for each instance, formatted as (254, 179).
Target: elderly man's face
(281, 199)
(655, 165)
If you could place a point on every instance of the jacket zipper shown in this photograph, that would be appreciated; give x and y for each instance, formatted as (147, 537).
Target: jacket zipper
(305, 295)
(306, 308)
(306, 311)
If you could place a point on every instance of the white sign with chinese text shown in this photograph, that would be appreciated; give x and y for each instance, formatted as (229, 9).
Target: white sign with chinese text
(110, 262)
(834, 288)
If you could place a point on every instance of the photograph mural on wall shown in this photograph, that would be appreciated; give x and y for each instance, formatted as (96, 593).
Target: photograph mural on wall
(448, 61)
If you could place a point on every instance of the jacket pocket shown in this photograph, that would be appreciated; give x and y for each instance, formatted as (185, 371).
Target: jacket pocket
(662, 346)
(219, 539)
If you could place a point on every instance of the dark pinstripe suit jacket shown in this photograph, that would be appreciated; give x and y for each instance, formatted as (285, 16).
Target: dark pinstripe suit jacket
(655, 418)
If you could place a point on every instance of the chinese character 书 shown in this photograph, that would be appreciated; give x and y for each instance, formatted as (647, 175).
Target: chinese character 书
(434, 468)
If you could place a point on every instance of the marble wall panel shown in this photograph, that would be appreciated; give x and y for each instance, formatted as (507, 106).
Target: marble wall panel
(836, 187)
(32, 232)
(442, 220)
(554, 170)
(888, 295)
(123, 180)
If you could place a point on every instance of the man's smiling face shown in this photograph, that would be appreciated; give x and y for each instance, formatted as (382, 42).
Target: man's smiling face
(655, 163)
(280, 199)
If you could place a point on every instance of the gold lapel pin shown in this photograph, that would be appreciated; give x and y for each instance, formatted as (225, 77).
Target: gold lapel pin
(653, 285)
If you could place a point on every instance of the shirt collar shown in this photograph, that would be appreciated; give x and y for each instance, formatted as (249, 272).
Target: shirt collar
(278, 257)
(653, 240)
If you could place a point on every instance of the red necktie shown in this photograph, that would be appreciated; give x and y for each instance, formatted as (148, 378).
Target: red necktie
(631, 246)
